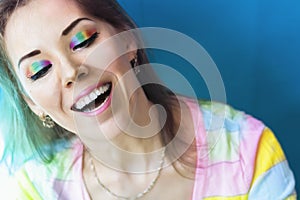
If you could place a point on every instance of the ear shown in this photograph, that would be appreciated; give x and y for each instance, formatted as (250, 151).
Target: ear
(33, 106)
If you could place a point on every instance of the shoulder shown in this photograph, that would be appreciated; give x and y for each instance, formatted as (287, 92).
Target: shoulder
(231, 136)
(223, 121)
(227, 117)
(239, 153)
(38, 180)
(228, 135)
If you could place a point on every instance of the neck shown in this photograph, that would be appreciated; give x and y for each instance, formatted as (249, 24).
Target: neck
(135, 157)
(137, 147)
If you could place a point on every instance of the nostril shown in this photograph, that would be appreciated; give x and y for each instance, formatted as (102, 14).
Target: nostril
(75, 76)
(69, 84)
(82, 72)
(81, 75)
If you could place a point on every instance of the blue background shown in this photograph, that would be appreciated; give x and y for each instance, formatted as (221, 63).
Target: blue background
(255, 45)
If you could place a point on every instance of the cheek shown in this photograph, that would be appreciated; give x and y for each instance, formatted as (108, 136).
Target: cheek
(45, 94)
(121, 66)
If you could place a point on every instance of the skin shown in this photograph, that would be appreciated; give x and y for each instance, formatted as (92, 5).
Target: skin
(69, 76)
(54, 93)
(22, 38)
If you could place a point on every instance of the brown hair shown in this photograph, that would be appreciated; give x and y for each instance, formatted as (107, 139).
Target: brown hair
(111, 12)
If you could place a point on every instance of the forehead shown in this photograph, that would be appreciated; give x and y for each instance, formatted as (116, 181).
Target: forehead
(38, 21)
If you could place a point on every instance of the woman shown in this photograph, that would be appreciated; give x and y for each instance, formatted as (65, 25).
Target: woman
(68, 133)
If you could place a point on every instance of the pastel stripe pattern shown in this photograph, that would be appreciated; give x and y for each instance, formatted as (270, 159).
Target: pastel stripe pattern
(238, 159)
(36, 67)
(247, 161)
(81, 37)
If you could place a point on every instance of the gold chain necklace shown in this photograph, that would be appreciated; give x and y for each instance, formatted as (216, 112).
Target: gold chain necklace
(137, 196)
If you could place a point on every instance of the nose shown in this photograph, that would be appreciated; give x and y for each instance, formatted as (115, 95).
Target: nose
(72, 72)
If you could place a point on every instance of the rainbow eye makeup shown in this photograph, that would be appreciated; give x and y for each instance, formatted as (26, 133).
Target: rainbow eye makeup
(83, 39)
(38, 69)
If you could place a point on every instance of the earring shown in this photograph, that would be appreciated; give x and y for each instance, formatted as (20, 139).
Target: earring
(136, 68)
(47, 121)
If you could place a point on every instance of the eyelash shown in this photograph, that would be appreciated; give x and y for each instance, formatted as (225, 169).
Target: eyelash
(82, 45)
(87, 42)
(41, 73)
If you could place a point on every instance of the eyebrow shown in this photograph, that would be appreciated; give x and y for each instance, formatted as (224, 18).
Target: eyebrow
(66, 31)
(33, 53)
(72, 25)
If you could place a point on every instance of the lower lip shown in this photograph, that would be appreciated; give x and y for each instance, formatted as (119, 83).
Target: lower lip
(101, 108)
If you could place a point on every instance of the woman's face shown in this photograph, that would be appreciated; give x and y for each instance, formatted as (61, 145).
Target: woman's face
(48, 42)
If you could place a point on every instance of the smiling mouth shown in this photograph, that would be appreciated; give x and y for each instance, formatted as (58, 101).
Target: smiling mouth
(95, 100)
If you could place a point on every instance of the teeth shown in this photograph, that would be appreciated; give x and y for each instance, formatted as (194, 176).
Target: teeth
(93, 96)
(83, 101)
(87, 100)
(97, 92)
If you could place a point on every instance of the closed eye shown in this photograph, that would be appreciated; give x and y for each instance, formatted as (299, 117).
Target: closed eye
(38, 69)
(41, 73)
(86, 43)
